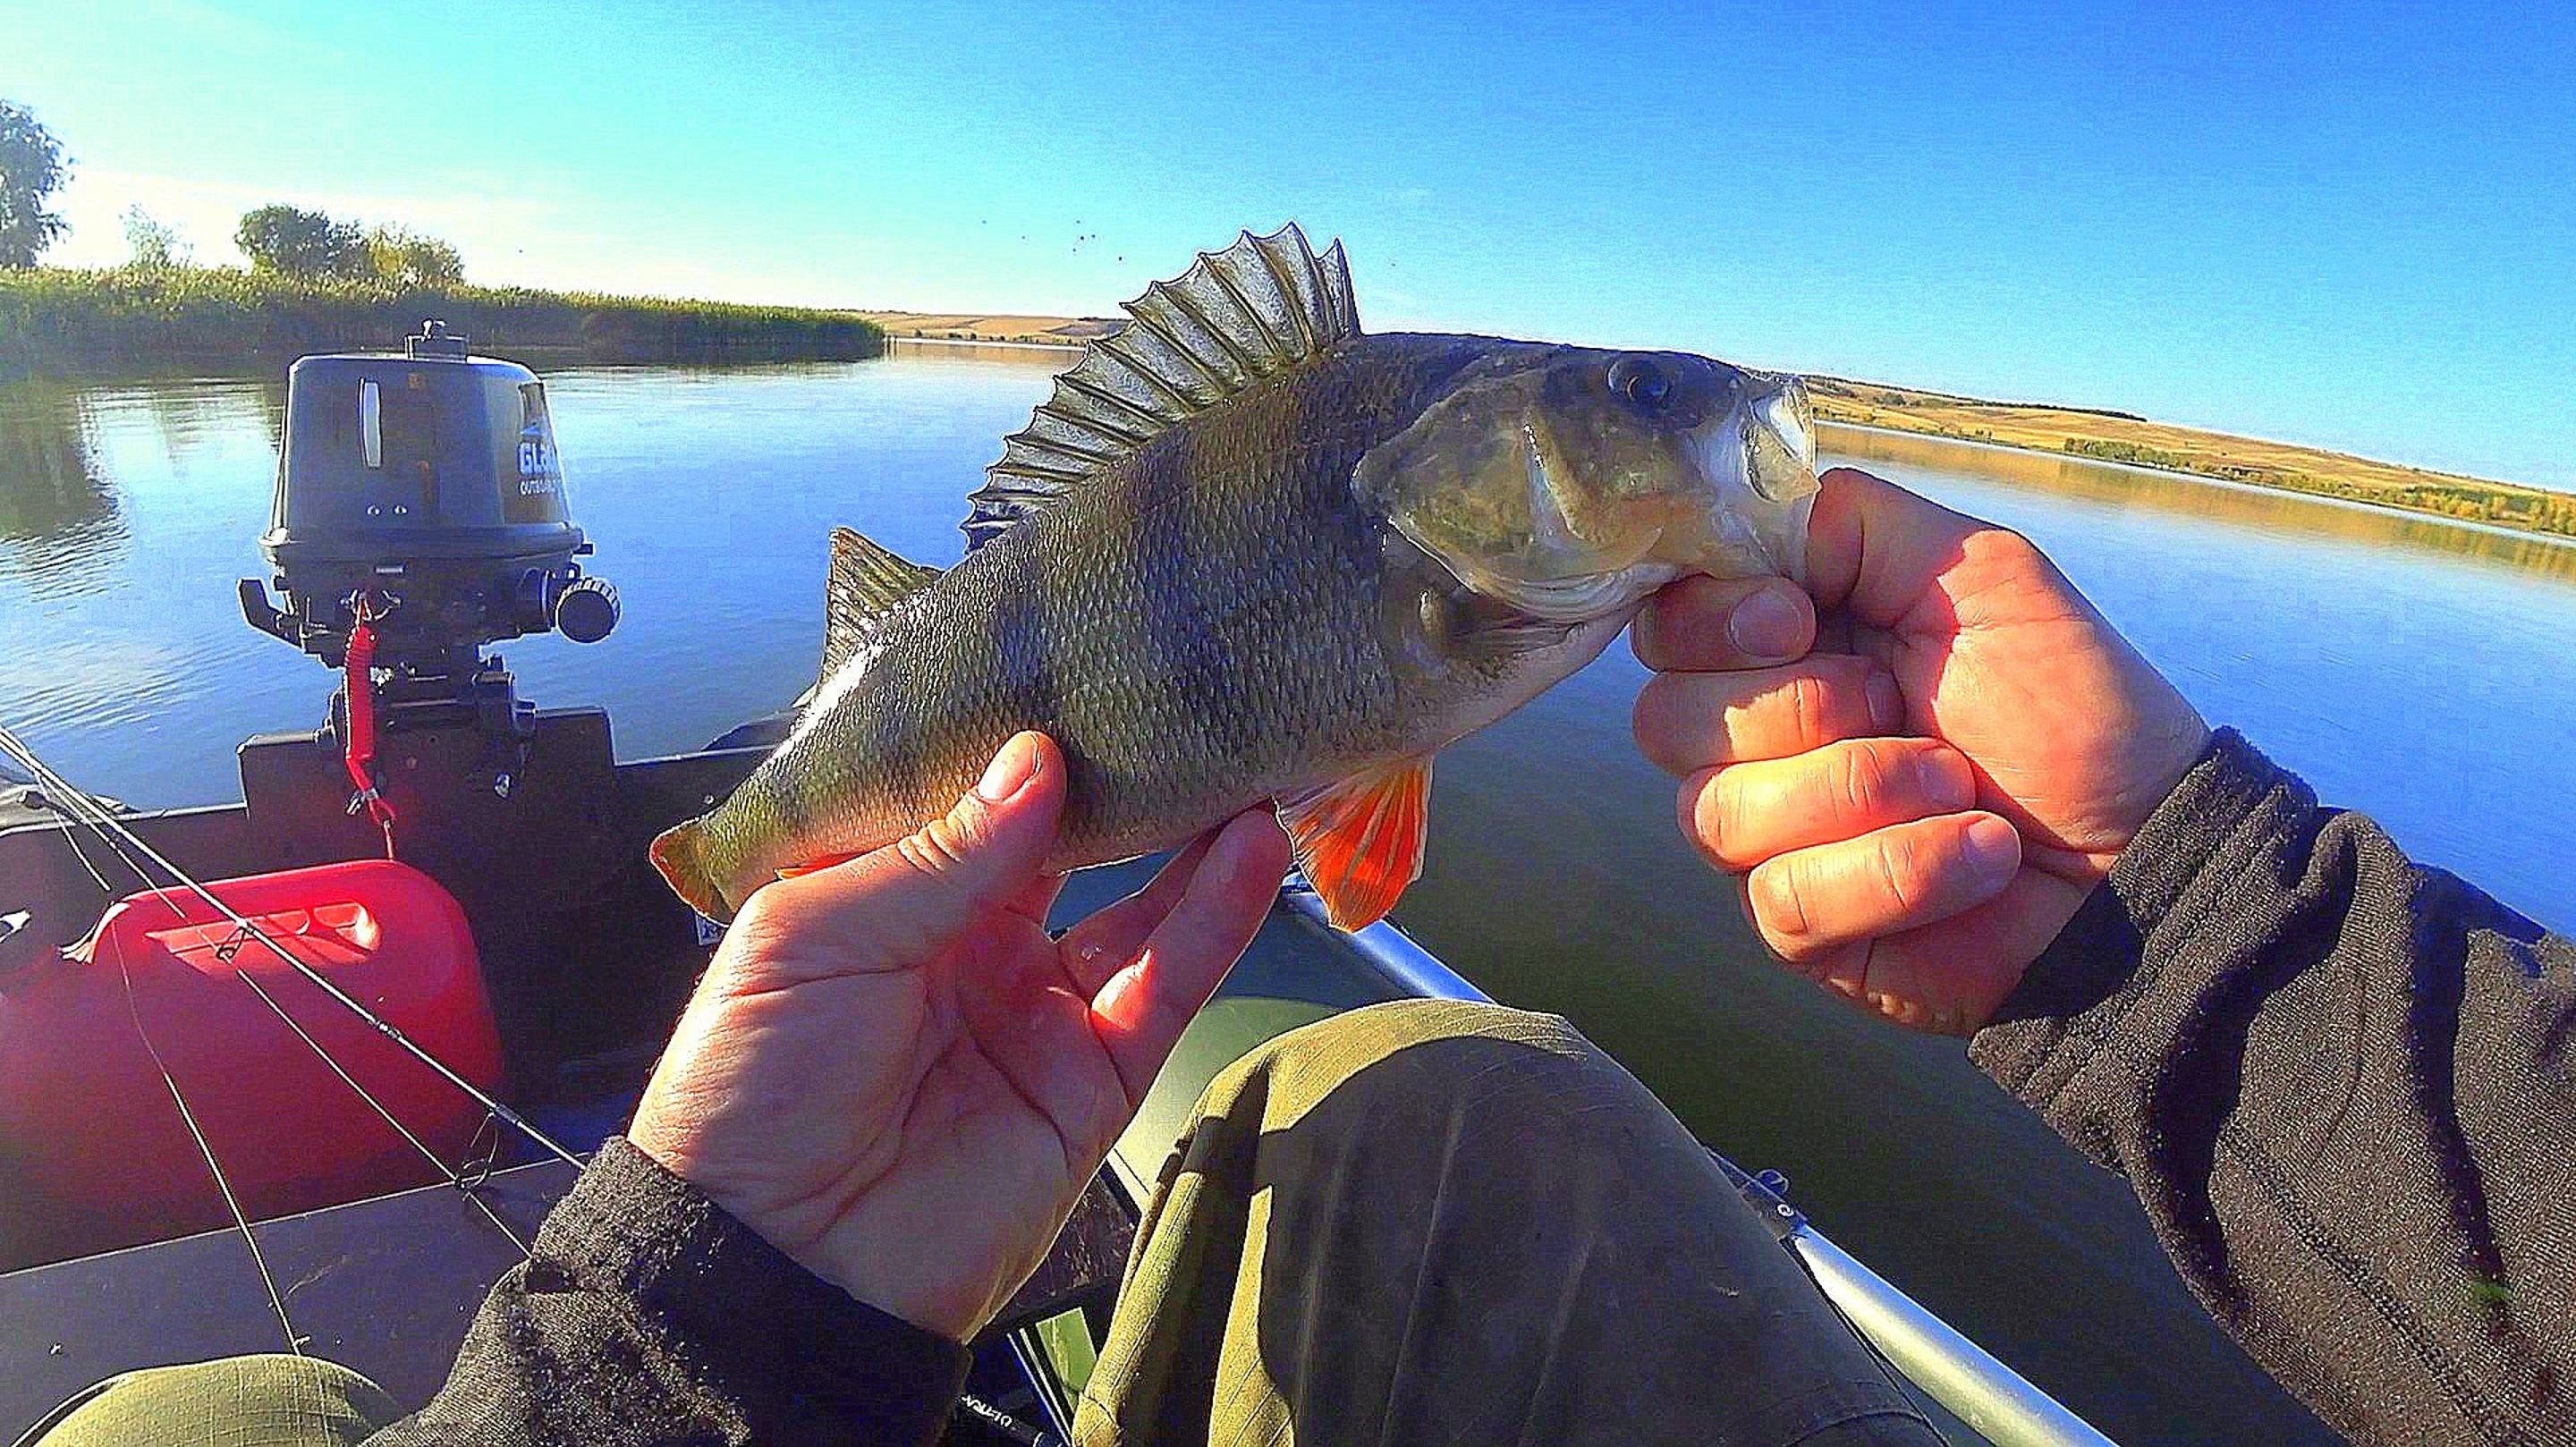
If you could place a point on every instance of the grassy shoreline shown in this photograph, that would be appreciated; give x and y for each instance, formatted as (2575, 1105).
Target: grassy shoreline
(68, 322)
(2255, 462)
(2095, 434)
(1009, 329)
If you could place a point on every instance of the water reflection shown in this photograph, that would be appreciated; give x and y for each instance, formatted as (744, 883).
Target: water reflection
(59, 520)
(193, 423)
(2260, 509)
(1011, 354)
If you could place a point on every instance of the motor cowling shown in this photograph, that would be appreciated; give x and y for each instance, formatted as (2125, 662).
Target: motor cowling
(427, 480)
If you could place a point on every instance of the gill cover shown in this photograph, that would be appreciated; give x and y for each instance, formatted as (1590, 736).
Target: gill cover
(1571, 482)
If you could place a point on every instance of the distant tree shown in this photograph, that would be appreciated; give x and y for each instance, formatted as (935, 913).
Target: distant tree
(302, 243)
(157, 245)
(32, 167)
(409, 258)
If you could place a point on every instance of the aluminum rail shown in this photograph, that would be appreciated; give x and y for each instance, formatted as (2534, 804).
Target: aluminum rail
(1998, 1403)
(1995, 1401)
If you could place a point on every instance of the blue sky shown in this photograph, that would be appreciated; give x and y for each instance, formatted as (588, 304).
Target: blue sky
(2344, 225)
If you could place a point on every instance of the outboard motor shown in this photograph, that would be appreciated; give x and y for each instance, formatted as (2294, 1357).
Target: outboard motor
(420, 515)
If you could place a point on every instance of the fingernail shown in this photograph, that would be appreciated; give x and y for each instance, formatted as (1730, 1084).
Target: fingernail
(1945, 780)
(1886, 702)
(1641, 634)
(1231, 853)
(1766, 624)
(1012, 768)
(1993, 847)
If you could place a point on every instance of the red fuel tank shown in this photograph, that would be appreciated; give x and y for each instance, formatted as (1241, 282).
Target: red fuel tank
(94, 1153)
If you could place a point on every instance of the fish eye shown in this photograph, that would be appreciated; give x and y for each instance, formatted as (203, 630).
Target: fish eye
(1640, 383)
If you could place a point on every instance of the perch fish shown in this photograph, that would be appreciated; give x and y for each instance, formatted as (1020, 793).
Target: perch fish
(1248, 554)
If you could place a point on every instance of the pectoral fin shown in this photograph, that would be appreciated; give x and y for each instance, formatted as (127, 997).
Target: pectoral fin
(1359, 841)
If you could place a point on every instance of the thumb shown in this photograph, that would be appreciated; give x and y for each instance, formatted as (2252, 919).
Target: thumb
(1875, 549)
(902, 904)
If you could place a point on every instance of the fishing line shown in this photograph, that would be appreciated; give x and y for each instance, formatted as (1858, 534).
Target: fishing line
(186, 1116)
(99, 819)
(454, 1177)
(259, 1259)
(71, 841)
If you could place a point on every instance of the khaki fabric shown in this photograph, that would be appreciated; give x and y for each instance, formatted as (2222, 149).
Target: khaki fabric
(253, 1401)
(1436, 1221)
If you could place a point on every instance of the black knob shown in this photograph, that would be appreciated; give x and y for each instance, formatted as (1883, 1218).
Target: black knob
(532, 603)
(587, 610)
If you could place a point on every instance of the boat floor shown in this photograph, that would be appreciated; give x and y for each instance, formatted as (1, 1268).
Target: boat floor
(387, 1286)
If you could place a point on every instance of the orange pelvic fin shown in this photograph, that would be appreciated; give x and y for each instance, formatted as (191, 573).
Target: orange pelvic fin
(1360, 840)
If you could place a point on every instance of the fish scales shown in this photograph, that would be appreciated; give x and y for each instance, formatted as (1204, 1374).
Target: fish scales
(1267, 558)
(1195, 629)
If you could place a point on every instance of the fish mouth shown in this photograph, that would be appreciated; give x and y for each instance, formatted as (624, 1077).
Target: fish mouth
(1764, 445)
(1780, 439)
(1759, 463)
(1589, 596)
(1739, 509)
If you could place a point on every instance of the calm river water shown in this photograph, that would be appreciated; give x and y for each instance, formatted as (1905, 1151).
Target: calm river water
(2415, 669)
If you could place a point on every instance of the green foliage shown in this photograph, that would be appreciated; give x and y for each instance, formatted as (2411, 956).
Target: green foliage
(298, 242)
(32, 167)
(408, 258)
(156, 246)
(2527, 509)
(59, 320)
(294, 242)
(2130, 452)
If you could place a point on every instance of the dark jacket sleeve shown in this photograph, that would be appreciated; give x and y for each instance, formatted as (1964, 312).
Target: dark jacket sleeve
(2342, 1086)
(649, 1315)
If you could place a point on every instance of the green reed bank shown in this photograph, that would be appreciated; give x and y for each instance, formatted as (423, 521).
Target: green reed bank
(133, 320)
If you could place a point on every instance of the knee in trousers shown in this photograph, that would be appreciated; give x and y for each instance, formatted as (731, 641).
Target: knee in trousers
(1426, 1047)
(270, 1397)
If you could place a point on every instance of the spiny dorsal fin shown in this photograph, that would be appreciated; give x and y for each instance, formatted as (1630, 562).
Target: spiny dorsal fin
(865, 584)
(1257, 308)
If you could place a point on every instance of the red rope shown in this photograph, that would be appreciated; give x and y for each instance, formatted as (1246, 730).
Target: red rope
(360, 755)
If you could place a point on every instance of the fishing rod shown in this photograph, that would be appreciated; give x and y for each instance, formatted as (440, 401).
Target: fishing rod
(100, 819)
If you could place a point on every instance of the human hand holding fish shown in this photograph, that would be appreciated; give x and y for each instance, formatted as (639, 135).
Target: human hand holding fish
(1919, 803)
(890, 1071)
